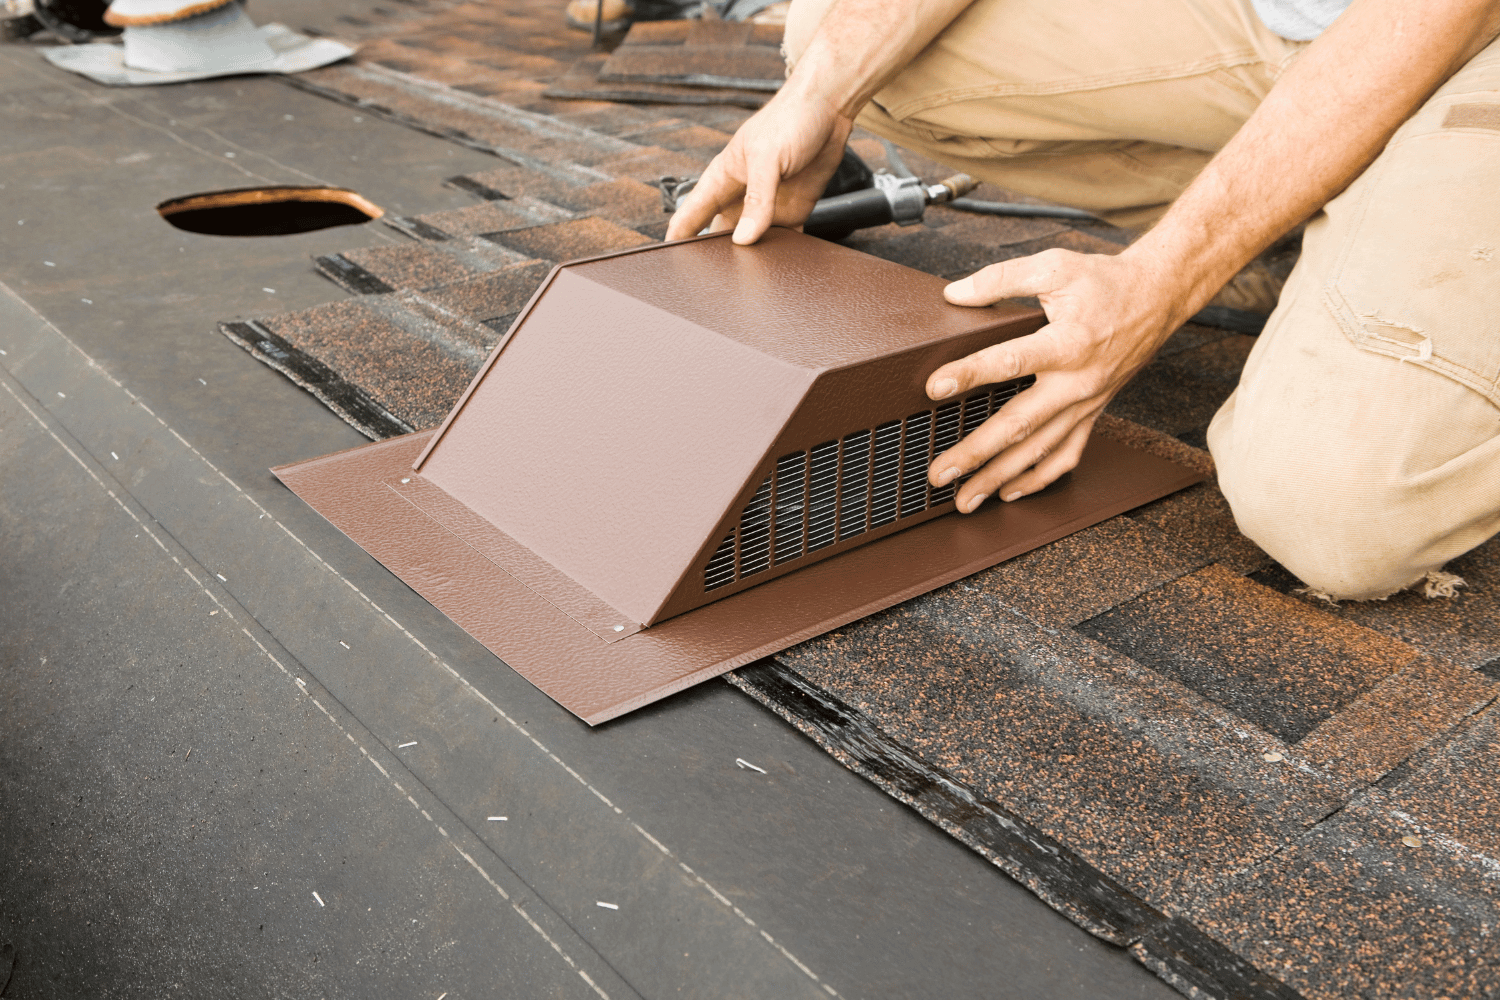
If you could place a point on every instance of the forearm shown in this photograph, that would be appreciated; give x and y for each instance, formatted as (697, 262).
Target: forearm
(862, 44)
(1321, 125)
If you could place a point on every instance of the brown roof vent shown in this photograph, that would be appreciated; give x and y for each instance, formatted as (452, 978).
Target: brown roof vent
(684, 453)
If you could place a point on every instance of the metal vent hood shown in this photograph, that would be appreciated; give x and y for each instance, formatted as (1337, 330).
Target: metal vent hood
(619, 439)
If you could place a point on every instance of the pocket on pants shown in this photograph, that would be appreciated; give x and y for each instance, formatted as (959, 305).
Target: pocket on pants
(1417, 276)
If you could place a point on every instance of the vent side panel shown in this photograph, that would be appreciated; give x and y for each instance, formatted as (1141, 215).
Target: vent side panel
(944, 436)
(916, 456)
(790, 506)
(755, 530)
(854, 485)
(720, 568)
(665, 436)
(822, 496)
(839, 490)
(885, 474)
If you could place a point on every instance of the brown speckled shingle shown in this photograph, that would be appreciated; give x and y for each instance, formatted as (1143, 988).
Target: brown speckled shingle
(1088, 573)
(1382, 727)
(412, 266)
(1272, 660)
(491, 296)
(414, 377)
(1143, 779)
(1200, 516)
(651, 162)
(624, 201)
(490, 216)
(1464, 629)
(1352, 911)
(569, 240)
(1453, 797)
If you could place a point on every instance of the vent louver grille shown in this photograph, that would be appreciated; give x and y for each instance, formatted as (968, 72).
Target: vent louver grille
(841, 489)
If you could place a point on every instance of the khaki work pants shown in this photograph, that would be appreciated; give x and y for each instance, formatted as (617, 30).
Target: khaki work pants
(1362, 446)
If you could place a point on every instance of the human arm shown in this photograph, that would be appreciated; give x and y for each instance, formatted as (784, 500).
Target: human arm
(777, 164)
(1320, 126)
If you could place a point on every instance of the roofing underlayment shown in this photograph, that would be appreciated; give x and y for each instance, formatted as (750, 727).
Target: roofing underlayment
(1146, 723)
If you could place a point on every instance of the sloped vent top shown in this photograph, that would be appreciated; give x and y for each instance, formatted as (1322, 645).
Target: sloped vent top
(842, 489)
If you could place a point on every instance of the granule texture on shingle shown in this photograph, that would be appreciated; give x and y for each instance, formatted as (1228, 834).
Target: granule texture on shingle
(1138, 775)
(1385, 725)
(1349, 910)
(413, 265)
(1268, 658)
(412, 377)
(570, 240)
(1087, 573)
(501, 293)
(1463, 629)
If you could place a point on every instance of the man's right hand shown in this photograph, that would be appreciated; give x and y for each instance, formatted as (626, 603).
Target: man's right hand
(772, 172)
(777, 165)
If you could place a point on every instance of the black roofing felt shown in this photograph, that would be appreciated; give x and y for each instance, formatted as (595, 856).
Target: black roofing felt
(1145, 723)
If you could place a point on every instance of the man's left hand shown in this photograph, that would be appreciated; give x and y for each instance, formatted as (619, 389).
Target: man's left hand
(1106, 316)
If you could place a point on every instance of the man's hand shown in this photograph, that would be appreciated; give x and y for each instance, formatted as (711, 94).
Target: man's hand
(1322, 123)
(772, 172)
(778, 163)
(1106, 316)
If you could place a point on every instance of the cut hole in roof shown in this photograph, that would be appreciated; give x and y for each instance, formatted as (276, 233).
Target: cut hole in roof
(268, 211)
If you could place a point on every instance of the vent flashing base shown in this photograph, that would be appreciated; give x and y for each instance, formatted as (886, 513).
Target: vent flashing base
(599, 678)
(755, 475)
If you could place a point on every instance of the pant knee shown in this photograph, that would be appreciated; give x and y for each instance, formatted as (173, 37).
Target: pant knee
(1342, 546)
